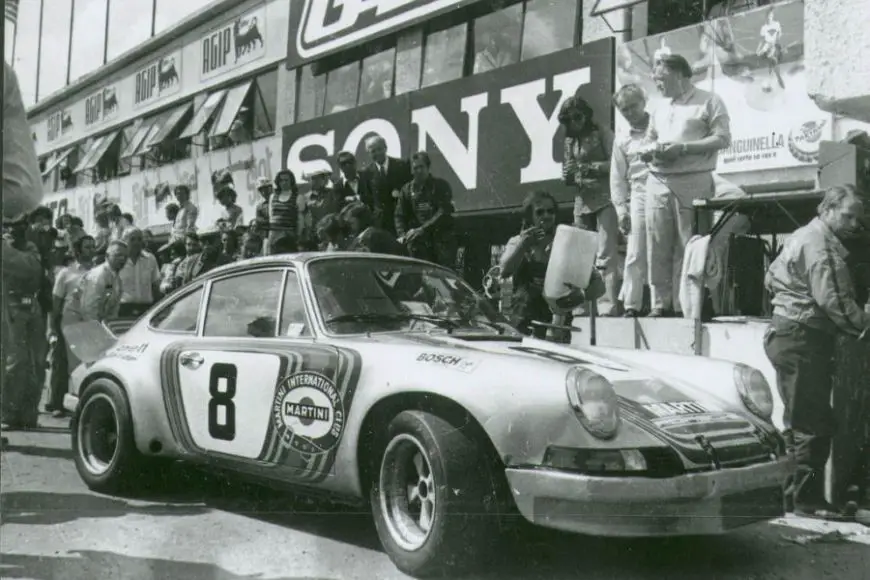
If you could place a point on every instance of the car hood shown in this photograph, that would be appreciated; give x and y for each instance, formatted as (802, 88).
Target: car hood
(697, 413)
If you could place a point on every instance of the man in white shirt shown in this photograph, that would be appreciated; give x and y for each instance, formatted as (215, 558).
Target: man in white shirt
(140, 277)
(99, 291)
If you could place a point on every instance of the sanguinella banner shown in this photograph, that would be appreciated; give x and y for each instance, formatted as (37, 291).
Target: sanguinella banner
(755, 62)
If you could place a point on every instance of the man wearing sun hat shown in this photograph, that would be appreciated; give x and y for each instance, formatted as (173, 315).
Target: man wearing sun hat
(318, 203)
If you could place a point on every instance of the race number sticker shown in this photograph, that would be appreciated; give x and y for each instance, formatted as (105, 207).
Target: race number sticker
(661, 410)
(308, 413)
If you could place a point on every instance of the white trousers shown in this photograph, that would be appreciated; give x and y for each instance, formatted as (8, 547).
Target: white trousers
(669, 217)
(635, 275)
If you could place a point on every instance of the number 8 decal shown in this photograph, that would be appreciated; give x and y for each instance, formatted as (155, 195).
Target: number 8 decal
(225, 429)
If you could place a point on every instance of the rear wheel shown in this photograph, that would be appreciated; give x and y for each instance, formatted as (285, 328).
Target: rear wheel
(102, 439)
(429, 494)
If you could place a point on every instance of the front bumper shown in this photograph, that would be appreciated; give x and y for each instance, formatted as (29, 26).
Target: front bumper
(693, 504)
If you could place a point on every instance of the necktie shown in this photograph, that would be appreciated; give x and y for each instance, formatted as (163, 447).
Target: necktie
(383, 171)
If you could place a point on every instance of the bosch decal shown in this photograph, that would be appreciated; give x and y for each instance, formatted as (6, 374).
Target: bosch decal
(450, 361)
(308, 413)
(676, 409)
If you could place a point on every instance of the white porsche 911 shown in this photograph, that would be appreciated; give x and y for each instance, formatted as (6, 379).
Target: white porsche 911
(389, 381)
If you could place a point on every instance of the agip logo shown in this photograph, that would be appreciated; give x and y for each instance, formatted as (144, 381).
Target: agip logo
(325, 27)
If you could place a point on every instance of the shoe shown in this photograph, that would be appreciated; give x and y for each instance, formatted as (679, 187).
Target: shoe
(631, 313)
(59, 414)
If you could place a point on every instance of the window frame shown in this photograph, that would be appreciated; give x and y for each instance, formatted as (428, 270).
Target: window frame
(309, 327)
(176, 297)
(235, 274)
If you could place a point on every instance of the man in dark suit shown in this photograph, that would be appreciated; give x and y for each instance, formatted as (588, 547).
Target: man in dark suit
(388, 175)
(353, 185)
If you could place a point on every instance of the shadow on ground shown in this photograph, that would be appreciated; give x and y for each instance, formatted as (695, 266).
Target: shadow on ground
(48, 508)
(37, 451)
(95, 565)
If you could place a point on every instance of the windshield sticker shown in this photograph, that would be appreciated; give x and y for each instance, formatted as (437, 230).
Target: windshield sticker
(308, 413)
(130, 352)
(661, 410)
(448, 361)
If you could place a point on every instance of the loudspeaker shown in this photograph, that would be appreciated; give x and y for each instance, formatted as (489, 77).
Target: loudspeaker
(843, 163)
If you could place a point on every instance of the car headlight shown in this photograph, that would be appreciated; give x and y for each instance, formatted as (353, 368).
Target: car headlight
(594, 400)
(754, 391)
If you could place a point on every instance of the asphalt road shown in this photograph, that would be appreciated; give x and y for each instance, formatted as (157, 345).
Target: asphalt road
(202, 528)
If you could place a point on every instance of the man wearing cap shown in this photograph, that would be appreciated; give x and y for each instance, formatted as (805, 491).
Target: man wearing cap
(225, 193)
(23, 365)
(317, 204)
(686, 133)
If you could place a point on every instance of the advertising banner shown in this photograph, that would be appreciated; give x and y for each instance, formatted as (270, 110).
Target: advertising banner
(755, 62)
(493, 136)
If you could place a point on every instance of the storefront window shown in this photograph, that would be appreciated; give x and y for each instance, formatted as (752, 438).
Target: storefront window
(311, 92)
(444, 55)
(54, 45)
(497, 39)
(342, 86)
(27, 50)
(129, 25)
(377, 77)
(265, 104)
(168, 13)
(409, 60)
(88, 37)
(549, 27)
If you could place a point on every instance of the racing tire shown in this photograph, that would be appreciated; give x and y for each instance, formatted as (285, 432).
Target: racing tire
(103, 446)
(445, 467)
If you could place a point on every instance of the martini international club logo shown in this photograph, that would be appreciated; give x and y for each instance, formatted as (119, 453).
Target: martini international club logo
(308, 413)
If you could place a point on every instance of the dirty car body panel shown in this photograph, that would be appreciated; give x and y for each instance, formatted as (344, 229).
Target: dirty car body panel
(331, 337)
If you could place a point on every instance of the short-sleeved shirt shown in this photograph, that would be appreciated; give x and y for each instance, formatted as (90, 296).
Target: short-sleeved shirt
(139, 278)
(66, 286)
(98, 296)
(694, 115)
(185, 221)
(233, 216)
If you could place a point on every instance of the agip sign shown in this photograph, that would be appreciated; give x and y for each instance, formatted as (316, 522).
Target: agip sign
(493, 136)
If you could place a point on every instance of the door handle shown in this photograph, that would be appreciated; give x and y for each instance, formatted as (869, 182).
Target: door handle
(191, 360)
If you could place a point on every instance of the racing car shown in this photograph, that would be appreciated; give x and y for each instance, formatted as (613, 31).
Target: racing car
(390, 381)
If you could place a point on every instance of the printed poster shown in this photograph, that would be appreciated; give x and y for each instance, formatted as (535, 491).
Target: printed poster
(755, 62)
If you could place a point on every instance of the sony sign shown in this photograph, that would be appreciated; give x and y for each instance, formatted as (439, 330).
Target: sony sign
(493, 136)
(322, 27)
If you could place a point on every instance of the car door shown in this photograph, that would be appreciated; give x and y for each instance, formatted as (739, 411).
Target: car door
(253, 391)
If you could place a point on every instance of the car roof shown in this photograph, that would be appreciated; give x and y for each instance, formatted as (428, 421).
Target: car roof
(302, 258)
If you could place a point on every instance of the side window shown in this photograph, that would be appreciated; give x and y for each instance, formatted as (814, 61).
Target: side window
(181, 315)
(244, 305)
(294, 322)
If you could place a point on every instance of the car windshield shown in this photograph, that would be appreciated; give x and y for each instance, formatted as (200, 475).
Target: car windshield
(383, 295)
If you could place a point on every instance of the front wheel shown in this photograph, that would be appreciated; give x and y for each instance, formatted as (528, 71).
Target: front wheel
(429, 495)
(102, 439)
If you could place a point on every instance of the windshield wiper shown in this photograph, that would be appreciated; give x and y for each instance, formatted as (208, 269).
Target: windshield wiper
(398, 317)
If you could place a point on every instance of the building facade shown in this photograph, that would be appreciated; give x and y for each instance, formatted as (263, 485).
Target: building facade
(255, 86)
